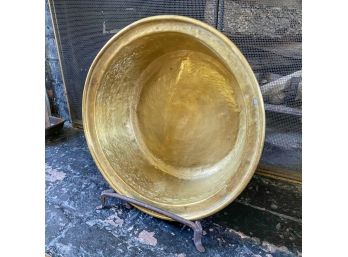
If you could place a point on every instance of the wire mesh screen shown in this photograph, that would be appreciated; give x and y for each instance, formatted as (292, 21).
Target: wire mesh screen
(84, 26)
(268, 33)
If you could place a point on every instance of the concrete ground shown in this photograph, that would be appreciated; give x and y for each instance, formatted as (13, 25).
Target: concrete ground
(265, 220)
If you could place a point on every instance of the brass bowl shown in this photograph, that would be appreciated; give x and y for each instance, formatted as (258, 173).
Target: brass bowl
(173, 116)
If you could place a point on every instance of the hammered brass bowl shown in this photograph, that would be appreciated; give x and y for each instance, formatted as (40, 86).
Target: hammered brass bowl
(173, 116)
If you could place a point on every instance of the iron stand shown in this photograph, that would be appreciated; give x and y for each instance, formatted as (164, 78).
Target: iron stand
(195, 226)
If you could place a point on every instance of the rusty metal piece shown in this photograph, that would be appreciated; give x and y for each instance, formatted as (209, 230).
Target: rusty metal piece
(195, 226)
(55, 125)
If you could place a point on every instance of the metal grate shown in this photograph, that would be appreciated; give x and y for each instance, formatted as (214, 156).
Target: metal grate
(268, 32)
(85, 26)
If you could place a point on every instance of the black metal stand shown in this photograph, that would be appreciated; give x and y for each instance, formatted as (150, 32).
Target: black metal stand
(196, 226)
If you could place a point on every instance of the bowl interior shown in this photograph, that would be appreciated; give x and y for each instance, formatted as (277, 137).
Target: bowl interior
(174, 104)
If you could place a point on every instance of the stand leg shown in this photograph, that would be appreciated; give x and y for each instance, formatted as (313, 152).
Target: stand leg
(195, 226)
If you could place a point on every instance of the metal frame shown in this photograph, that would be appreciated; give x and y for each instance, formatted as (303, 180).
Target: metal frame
(279, 174)
(59, 52)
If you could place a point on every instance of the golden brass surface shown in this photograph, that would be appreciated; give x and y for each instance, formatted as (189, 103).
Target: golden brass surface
(173, 116)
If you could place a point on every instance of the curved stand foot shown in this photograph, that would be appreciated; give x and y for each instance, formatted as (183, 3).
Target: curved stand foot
(195, 226)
